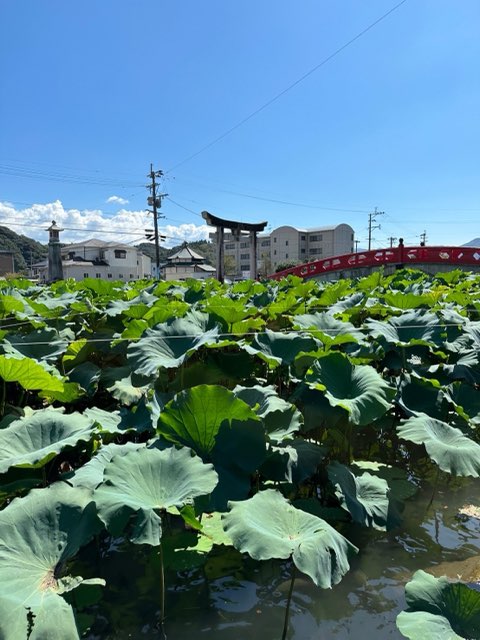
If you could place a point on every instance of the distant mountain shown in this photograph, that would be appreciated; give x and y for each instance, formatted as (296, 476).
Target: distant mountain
(473, 243)
(25, 250)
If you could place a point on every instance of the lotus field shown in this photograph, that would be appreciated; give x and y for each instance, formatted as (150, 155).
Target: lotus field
(268, 418)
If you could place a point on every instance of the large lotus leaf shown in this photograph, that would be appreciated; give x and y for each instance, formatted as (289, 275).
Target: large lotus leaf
(446, 445)
(328, 329)
(365, 496)
(467, 400)
(439, 610)
(467, 368)
(103, 420)
(421, 395)
(281, 419)
(34, 440)
(193, 418)
(358, 389)
(279, 348)
(43, 344)
(317, 411)
(126, 392)
(414, 327)
(87, 375)
(268, 526)
(168, 345)
(240, 449)
(293, 461)
(38, 535)
(228, 310)
(146, 481)
(29, 374)
(90, 475)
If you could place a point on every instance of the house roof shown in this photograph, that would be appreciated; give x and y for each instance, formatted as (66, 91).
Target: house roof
(186, 254)
(95, 243)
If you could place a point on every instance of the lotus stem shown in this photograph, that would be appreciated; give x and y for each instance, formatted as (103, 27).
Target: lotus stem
(435, 485)
(289, 600)
(162, 592)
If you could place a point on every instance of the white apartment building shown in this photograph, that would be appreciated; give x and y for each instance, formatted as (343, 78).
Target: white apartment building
(288, 244)
(99, 259)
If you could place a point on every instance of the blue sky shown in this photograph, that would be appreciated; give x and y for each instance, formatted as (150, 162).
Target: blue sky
(93, 91)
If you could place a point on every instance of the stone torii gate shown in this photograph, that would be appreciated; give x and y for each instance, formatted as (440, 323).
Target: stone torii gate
(236, 228)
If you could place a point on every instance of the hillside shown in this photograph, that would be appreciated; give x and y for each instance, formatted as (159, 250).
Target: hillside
(25, 250)
(473, 243)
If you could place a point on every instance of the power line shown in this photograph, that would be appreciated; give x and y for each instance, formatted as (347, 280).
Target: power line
(289, 88)
(36, 174)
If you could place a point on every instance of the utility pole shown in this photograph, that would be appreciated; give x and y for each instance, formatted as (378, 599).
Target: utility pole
(372, 217)
(392, 240)
(155, 201)
(423, 239)
(356, 245)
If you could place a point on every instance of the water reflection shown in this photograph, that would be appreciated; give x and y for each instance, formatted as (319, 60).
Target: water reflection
(233, 598)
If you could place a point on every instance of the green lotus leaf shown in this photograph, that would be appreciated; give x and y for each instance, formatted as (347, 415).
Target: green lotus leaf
(439, 610)
(38, 535)
(364, 496)
(87, 375)
(281, 419)
(414, 327)
(293, 461)
(422, 395)
(34, 440)
(125, 392)
(90, 475)
(43, 344)
(168, 345)
(358, 389)
(446, 445)
(9, 305)
(268, 526)
(148, 481)
(328, 329)
(29, 374)
(279, 348)
(467, 401)
(228, 310)
(193, 418)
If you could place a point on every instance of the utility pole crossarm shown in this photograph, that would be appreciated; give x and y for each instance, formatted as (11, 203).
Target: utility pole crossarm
(155, 201)
(372, 217)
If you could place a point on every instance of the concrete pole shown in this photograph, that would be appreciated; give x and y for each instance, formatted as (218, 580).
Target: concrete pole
(220, 254)
(253, 255)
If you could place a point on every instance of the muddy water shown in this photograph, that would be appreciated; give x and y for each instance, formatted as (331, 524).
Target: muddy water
(234, 598)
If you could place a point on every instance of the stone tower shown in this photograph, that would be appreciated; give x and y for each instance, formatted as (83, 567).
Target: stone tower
(55, 270)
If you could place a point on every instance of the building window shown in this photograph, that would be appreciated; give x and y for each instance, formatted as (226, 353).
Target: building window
(230, 245)
(244, 245)
(286, 255)
(120, 275)
(302, 250)
(85, 275)
(274, 252)
(352, 237)
(274, 239)
(265, 243)
(244, 256)
(303, 237)
(98, 275)
(316, 251)
(286, 243)
(244, 267)
(120, 253)
(131, 276)
(109, 275)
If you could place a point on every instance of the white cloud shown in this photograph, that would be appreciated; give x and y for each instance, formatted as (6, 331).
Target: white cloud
(124, 226)
(117, 200)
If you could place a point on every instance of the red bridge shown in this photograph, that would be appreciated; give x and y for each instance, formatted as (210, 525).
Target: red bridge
(432, 259)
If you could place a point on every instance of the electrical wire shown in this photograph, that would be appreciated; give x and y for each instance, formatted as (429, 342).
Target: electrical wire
(287, 89)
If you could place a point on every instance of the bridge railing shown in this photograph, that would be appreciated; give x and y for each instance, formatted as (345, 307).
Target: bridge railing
(401, 256)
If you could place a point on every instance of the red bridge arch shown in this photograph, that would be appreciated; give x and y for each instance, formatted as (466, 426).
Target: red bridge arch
(400, 256)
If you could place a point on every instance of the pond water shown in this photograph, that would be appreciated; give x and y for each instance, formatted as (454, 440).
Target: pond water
(234, 598)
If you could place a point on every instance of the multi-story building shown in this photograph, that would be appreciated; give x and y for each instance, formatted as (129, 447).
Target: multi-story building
(287, 244)
(99, 259)
(187, 263)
